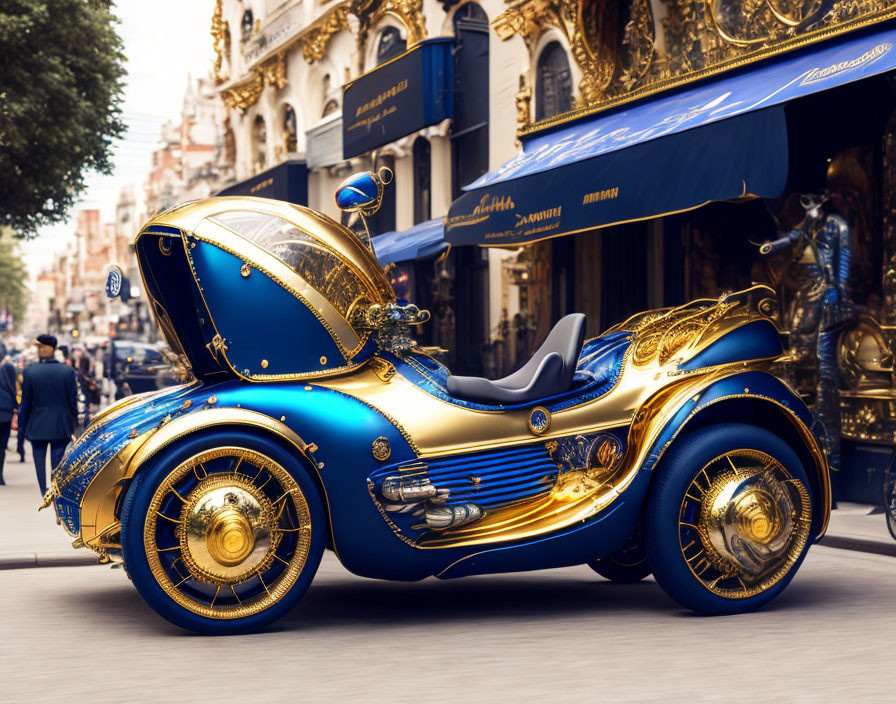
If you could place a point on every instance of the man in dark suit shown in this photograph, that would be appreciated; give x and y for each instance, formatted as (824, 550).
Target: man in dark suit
(49, 407)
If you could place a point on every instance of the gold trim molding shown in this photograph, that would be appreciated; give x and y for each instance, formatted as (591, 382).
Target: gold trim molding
(624, 53)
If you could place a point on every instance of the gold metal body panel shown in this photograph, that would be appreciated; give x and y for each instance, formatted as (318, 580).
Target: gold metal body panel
(99, 506)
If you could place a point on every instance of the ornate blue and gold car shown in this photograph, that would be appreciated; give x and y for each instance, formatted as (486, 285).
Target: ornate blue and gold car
(314, 422)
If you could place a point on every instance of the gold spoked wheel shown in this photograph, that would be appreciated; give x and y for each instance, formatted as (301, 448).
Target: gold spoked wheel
(227, 533)
(744, 522)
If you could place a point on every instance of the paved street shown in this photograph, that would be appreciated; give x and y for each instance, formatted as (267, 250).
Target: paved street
(83, 634)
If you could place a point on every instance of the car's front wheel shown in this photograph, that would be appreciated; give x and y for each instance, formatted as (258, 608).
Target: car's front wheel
(223, 533)
(729, 519)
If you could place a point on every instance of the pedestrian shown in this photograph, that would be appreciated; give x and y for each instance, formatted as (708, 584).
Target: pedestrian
(8, 403)
(49, 407)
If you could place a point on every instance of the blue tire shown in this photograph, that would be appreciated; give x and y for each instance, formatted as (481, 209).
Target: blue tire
(728, 520)
(276, 543)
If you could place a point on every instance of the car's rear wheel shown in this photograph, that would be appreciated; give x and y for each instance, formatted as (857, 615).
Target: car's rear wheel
(223, 533)
(729, 519)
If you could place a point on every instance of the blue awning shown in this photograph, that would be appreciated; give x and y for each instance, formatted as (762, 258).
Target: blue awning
(417, 242)
(287, 181)
(722, 140)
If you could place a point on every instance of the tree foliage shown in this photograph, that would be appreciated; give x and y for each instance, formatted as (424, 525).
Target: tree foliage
(61, 81)
(13, 294)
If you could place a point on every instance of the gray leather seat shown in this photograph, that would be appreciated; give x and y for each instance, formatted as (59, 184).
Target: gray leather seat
(549, 372)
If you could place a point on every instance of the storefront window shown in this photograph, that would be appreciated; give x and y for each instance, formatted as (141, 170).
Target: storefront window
(422, 180)
(290, 130)
(384, 220)
(391, 45)
(470, 138)
(553, 88)
(259, 144)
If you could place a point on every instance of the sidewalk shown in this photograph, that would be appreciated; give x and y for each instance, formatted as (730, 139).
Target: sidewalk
(29, 538)
(32, 539)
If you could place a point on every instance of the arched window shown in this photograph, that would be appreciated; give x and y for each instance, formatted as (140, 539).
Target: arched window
(259, 143)
(391, 45)
(422, 180)
(247, 23)
(331, 107)
(290, 130)
(553, 82)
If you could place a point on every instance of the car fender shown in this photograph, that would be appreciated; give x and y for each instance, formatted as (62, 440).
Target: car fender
(751, 396)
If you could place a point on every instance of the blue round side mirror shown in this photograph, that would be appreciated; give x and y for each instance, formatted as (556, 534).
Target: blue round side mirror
(363, 192)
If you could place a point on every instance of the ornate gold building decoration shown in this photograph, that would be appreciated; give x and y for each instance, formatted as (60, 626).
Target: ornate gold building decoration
(408, 12)
(221, 41)
(617, 45)
(246, 94)
(314, 43)
(270, 72)
(273, 71)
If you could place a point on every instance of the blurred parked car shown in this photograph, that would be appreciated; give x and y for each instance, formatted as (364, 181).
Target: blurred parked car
(136, 367)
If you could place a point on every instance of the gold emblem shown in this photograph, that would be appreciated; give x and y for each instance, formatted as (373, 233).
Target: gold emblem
(381, 449)
(264, 364)
(539, 420)
(245, 270)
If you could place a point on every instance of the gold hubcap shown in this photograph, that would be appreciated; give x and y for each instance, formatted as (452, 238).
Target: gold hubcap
(743, 523)
(227, 533)
(230, 538)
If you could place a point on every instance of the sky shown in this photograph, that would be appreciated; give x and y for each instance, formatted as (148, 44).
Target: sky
(164, 42)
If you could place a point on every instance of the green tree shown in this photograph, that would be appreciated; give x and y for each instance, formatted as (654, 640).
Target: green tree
(61, 80)
(13, 293)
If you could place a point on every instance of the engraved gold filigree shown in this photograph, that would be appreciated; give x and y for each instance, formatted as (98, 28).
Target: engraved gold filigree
(314, 43)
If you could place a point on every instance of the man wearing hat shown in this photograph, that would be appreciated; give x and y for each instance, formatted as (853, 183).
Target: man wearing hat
(49, 407)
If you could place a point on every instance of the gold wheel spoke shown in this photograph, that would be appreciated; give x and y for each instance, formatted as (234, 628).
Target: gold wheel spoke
(214, 598)
(277, 557)
(731, 462)
(181, 581)
(696, 555)
(235, 595)
(258, 572)
(162, 515)
(270, 476)
(176, 547)
(204, 474)
(174, 491)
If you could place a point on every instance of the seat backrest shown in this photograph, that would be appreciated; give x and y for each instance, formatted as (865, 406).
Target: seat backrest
(566, 339)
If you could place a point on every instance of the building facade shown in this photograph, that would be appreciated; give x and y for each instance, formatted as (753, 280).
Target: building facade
(602, 156)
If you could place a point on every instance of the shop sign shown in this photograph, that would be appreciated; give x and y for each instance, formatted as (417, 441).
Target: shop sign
(401, 96)
(324, 143)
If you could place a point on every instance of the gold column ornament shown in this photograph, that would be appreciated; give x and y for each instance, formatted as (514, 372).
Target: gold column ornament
(314, 43)
(221, 35)
(523, 99)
